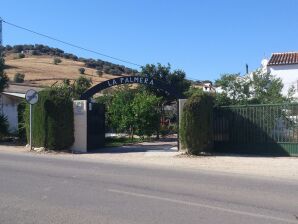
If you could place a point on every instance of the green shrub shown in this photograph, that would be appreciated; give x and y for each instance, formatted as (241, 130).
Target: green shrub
(81, 71)
(3, 126)
(99, 73)
(19, 77)
(196, 125)
(57, 61)
(21, 55)
(52, 122)
(21, 121)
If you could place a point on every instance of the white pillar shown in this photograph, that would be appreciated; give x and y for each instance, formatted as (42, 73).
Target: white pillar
(80, 126)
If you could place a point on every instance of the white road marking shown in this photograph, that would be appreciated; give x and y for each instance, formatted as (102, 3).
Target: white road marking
(203, 206)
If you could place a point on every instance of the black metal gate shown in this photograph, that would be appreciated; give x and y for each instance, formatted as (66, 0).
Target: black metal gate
(95, 126)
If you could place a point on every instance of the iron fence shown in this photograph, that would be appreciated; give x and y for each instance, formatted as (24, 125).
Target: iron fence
(257, 129)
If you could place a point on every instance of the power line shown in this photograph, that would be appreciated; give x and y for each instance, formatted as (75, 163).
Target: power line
(70, 44)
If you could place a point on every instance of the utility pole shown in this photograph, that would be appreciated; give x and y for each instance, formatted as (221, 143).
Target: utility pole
(1, 43)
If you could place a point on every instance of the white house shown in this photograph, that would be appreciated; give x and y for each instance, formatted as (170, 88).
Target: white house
(285, 67)
(9, 101)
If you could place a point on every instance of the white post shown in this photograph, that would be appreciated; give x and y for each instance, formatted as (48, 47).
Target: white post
(30, 126)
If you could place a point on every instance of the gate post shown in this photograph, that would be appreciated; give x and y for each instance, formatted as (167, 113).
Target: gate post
(80, 126)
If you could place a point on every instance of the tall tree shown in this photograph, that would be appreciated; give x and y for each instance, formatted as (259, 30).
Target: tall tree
(3, 77)
(256, 88)
(175, 79)
(266, 88)
(134, 112)
(235, 89)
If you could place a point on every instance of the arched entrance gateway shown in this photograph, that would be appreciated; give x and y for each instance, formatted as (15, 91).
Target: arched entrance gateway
(94, 114)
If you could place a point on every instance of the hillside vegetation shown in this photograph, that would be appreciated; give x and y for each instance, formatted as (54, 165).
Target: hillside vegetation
(37, 63)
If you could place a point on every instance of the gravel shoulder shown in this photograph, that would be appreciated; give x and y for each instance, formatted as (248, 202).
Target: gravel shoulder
(165, 154)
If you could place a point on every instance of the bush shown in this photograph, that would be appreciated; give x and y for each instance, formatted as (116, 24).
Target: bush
(57, 61)
(196, 126)
(19, 77)
(81, 71)
(21, 121)
(21, 55)
(3, 126)
(53, 121)
(99, 73)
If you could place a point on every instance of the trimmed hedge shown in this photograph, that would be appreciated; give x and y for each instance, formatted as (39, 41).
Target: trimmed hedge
(53, 120)
(196, 129)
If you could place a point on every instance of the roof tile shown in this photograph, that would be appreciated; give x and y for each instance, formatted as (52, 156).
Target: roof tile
(286, 58)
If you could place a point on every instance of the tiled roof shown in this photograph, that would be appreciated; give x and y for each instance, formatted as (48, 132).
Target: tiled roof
(286, 58)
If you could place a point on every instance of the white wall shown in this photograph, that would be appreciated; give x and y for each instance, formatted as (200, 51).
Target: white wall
(80, 126)
(9, 106)
(288, 74)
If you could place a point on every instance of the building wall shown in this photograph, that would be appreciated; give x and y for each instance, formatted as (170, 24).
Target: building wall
(9, 107)
(288, 74)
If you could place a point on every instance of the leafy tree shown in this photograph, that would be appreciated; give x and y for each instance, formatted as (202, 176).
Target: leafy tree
(80, 86)
(194, 91)
(145, 107)
(81, 71)
(235, 89)
(21, 55)
(3, 126)
(120, 113)
(3, 84)
(99, 73)
(176, 79)
(257, 88)
(266, 88)
(133, 112)
(3, 77)
(57, 61)
(19, 77)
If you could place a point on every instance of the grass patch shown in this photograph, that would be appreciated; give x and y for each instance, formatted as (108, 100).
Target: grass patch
(116, 142)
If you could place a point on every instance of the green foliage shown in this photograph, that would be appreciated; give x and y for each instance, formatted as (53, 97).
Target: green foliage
(3, 126)
(19, 77)
(3, 77)
(145, 107)
(120, 113)
(80, 86)
(267, 88)
(99, 73)
(134, 112)
(77, 88)
(52, 124)
(236, 89)
(21, 121)
(176, 79)
(196, 128)
(259, 88)
(81, 71)
(193, 91)
(21, 55)
(57, 61)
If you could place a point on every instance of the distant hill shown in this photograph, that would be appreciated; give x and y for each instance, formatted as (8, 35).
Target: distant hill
(36, 62)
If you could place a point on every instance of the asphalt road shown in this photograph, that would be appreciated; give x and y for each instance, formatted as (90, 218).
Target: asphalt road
(55, 189)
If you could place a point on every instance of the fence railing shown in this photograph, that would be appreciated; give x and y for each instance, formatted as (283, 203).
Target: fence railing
(261, 129)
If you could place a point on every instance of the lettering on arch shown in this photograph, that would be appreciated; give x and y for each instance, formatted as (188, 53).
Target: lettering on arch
(129, 80)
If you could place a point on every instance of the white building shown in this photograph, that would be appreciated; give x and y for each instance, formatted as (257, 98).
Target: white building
(285, 67)
(9, 101)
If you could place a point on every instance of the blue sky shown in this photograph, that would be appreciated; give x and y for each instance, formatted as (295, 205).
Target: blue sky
(203, 38)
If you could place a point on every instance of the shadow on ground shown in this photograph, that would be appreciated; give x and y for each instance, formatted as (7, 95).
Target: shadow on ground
(163, 145)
